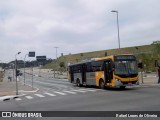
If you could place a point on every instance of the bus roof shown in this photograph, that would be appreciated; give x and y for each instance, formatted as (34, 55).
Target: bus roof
(97, 59)
(111, 57)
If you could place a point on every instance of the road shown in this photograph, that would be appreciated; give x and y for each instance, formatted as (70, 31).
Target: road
(60, 95)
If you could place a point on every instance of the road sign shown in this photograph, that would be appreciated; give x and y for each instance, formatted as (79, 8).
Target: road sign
(31, 54)
(41, 58)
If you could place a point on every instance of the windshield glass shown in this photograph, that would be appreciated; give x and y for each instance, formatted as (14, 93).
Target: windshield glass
(125, 67)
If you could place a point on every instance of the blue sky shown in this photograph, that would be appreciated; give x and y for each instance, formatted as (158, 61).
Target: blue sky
(75, 26)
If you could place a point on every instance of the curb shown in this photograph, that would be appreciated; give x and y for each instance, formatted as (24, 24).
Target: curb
(37, 89)
(6, 98)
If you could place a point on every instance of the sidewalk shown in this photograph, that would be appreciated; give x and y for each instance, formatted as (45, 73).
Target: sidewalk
(150, 79)
(8, 88)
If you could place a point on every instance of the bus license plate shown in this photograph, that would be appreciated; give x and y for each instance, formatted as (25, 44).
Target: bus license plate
(130, 84)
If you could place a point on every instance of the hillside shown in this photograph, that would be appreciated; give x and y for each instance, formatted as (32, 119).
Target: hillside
(143, 53)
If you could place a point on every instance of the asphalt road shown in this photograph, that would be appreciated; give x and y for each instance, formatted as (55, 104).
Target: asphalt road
(46, 83)
(60, 95)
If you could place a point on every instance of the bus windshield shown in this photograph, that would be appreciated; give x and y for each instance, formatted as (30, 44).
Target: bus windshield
(124, 67)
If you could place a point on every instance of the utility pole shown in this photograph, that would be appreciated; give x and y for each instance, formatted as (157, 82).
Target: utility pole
(56, 51)
(117, 27)
(32, 75)
(24, 68)
(55, 60)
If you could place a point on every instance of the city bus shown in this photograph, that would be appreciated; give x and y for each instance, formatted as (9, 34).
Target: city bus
(111, 71)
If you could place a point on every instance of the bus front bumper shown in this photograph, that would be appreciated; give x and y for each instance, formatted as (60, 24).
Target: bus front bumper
(119, 83)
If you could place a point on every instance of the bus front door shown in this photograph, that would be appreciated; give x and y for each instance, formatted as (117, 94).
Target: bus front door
(108, 71)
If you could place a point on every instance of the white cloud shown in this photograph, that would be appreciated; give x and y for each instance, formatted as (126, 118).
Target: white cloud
(75, 25)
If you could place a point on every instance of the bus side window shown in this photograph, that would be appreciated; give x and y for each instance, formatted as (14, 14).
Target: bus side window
(88, 67)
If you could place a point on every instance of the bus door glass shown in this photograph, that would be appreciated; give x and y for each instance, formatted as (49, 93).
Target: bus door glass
(83, 73)
(71, 74)
(108, 71)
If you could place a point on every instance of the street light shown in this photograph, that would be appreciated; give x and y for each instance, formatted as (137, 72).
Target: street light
(16, 71)
(56, 60)
(117, 27)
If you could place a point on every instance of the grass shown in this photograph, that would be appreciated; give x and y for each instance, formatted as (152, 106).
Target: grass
(75, 58)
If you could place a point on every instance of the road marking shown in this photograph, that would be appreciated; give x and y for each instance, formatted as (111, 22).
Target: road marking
(39, 95)
(60, 85)
(79, 91)
(59, 93)
(88, 89)
(70, 92)
(49, 94)
(18, 99)
(29, 97)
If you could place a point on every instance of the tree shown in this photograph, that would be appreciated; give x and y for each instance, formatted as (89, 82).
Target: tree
(61, 64)
(4, 65)
(156, 48)
(156, 52)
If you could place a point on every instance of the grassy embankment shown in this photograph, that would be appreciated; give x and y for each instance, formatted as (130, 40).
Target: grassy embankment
(1, 76)
(143, 53)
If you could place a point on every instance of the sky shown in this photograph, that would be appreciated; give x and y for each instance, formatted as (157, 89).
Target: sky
(74, 26)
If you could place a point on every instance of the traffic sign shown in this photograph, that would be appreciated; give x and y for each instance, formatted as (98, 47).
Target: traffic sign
(41, 58)
(31, 54)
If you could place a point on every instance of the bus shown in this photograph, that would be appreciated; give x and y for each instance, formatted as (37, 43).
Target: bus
(111, 71)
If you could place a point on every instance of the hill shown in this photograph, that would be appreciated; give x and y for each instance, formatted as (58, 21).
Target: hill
(143, 53)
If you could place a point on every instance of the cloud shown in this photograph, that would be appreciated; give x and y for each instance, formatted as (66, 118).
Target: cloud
(75, 26)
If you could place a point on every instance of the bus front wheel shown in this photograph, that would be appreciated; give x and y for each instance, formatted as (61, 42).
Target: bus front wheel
(101, 84)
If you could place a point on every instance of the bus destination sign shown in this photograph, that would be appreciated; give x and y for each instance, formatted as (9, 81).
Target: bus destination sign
(125, 57)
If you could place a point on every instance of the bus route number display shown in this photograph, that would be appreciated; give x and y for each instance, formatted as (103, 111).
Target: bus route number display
(125, 57)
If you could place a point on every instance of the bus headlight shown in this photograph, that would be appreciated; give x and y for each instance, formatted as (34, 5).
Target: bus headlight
(118, 83)
(117, 80)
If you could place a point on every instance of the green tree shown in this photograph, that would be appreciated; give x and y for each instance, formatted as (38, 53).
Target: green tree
(61, 64)
(156, 49)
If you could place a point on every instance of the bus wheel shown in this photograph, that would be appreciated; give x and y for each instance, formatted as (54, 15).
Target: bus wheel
(122, 87)
(78, 83)
(101, 84)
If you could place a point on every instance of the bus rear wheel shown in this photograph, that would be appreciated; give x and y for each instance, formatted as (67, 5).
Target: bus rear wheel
(101, 84)
(122, 87)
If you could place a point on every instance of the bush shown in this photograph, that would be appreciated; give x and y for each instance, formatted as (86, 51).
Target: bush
(62, 64)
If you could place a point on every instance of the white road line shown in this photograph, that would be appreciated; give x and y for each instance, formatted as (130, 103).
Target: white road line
(59, 93)
(29, 97)
(39, 95)
(18, 99)
(50, 94)
(88, 89)
(79, 91)
(70, 92)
